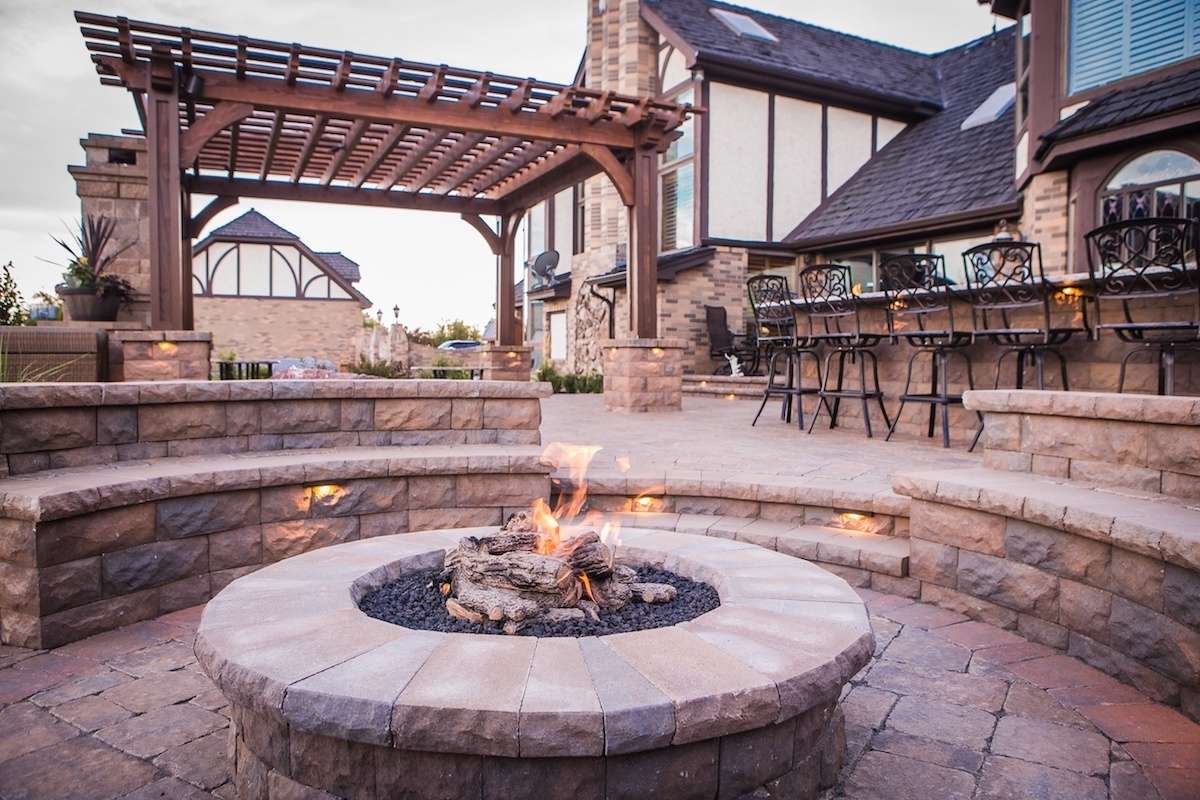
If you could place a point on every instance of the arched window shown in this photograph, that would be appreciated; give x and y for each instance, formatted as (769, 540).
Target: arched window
(1161, 183)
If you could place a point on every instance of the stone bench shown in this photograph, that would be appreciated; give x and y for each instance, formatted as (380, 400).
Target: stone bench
(53, 426)
(1140, 441)
(864, 560)
(1112, 575)
(797, 500)
(88, 549)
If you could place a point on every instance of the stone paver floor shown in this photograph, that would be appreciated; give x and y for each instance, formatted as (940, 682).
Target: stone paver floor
(948, 709)
(718, 437)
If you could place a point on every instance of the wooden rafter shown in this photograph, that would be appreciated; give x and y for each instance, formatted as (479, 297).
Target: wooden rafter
(351, 141)
(383, 150)
(444, 162)
(272, 144)
(547, 164)
(310, 145)
(406, 164)
(479, 164)
(522, 158)
(231, 164)
(311, 192)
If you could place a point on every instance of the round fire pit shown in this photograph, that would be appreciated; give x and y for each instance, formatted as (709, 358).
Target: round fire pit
(741, 698)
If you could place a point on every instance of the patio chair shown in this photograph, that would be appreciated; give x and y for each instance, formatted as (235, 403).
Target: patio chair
(834, 319)
(1005, 278)
(1154, 258)
(722, 343)
(919, 311)
(775, 323)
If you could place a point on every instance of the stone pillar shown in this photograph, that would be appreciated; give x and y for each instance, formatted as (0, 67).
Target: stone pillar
(644, 375)
(112, 183)
(506, 362)
(1046, 218)
(159, 355)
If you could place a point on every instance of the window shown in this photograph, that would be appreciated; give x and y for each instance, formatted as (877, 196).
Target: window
(862, 271)
(579, 229)
(1161, 183)
(676, 189)
(1113, 39)
(558, 336)
(744, 25)
(992, 108)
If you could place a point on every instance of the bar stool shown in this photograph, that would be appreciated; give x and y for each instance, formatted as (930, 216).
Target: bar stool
(918, 297)
(1005, 277)
(831, 302)
(1147, 259)
(775, 321)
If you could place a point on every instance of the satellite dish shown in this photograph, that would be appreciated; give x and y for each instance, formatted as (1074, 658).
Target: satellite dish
(544, 265)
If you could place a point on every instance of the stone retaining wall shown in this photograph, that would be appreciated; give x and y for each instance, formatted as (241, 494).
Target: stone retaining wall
(99, 552)
(1142, 442)
(50, 426)
(1119, 592)
(159, 355)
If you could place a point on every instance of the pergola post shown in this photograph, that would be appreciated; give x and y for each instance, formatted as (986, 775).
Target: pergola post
(508, 332)
(641, 274)
(169, 309)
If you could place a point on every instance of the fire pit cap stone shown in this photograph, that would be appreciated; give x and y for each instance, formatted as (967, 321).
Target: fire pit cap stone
(290, 641)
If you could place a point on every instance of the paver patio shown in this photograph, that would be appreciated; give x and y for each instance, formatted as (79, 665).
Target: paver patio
(949, 708)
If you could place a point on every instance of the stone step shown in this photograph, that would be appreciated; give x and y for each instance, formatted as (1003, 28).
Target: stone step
(870, 552)
(714, 386)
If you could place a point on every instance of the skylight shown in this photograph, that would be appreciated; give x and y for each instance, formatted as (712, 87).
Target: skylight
(743, 25)
(993, 108)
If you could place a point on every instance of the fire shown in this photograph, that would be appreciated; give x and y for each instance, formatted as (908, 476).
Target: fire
(587, 586)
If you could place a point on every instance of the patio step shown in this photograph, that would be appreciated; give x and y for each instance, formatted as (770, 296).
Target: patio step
(854, 555)
(742, 388)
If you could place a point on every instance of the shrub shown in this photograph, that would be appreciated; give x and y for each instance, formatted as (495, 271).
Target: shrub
(379, 369)
(12, 305)
(571, 383)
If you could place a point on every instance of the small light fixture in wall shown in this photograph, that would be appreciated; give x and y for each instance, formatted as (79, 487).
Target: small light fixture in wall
(166, 348)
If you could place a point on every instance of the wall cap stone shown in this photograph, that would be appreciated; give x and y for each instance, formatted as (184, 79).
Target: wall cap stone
(1087, 405)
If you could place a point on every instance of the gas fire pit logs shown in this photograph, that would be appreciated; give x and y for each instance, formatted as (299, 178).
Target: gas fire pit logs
(522, 573)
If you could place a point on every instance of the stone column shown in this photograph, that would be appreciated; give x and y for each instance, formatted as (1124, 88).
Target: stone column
(644, 375)
(159, 355)
(506, 362)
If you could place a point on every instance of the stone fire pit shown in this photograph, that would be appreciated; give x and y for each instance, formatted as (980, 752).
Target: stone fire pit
(741, 698)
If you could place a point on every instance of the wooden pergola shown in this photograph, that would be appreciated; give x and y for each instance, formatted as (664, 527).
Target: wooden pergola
(236, 117)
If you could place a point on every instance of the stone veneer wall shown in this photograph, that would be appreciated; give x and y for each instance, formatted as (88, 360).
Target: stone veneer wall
(78, 564)
(257, 328)
(643, 374)
(49, 426)
(1141, 442)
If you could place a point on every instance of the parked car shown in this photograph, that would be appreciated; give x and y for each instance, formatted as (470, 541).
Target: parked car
(460, 344)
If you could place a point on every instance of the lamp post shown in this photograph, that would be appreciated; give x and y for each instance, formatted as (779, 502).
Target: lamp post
(379, 316)
(396, 312)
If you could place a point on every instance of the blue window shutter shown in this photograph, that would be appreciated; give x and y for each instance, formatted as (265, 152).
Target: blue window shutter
(1112, 39)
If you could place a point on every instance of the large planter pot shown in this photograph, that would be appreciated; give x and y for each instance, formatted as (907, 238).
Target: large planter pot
(87, 306)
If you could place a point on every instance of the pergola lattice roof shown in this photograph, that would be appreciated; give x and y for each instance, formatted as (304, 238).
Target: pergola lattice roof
(290, 121)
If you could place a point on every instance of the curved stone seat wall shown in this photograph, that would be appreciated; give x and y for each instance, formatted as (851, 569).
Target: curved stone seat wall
(1142, 442)
(87, 550)
(53, 426)
(1111, 576)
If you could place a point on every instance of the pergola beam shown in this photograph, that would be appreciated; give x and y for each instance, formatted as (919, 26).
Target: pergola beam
(381, 153)
(282, 190)
(447, 160)
(481, 162)
(406, 164)
(348, 144)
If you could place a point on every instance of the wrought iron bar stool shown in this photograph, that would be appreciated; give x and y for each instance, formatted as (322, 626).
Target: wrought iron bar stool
(831, 303)
(1005, 278)
(919, 311)
(775, 321)
(1147, 259)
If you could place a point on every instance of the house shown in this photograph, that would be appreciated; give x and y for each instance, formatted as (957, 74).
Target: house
(265, 294)
(816, 145)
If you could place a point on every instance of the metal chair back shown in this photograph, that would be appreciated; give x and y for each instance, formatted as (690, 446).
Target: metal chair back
(720, 338)
(1003, 277)
(916, 288)
(774, 312)
(828, 294)
(1152, 257)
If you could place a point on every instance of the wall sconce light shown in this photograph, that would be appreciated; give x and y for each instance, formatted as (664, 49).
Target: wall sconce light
(325, 491)
(166, 348)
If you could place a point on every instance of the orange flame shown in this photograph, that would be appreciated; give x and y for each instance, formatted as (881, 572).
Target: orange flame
(587, 587)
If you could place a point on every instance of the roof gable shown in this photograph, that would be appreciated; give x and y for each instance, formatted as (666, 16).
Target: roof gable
(933, 169)
(252, 225)
(345, 267)
(805, 52)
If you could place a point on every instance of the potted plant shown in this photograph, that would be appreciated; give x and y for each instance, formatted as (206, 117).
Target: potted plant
(88, 291)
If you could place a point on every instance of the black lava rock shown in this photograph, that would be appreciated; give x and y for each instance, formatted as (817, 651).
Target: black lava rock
(415, 601)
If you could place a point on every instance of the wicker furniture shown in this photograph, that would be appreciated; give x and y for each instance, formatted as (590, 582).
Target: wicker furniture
(1154, 258)
(834, 319)
(775, 322)
(919, 311)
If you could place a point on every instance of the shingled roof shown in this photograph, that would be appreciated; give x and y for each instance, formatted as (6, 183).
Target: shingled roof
(343, 266)
(932, 169)
(253, 225)
(1124, 106)
(805, 52)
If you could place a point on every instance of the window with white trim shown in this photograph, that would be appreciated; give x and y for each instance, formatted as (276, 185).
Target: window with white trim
(677, 187)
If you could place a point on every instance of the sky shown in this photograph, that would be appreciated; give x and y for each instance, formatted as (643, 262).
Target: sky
(433, 266)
